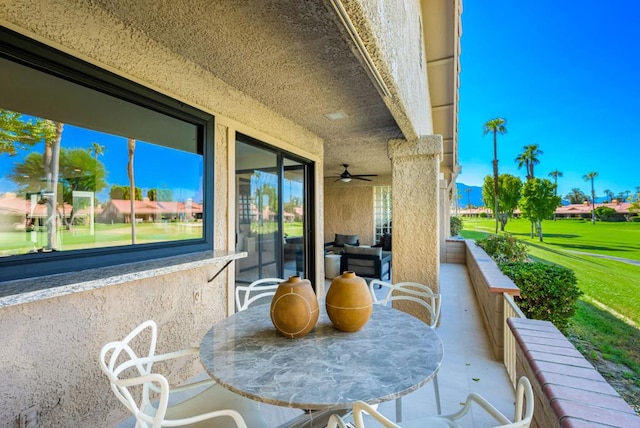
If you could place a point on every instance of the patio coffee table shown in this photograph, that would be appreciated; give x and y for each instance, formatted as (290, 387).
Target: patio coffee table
(392, 355)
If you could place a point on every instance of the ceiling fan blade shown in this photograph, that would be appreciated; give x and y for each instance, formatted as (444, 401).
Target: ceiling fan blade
(365, 175)
(358, 177)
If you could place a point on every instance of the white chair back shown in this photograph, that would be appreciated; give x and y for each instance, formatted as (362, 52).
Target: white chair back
(410, 291)
(131, 376)
(422, 295)
(246, 295)
(522, 419)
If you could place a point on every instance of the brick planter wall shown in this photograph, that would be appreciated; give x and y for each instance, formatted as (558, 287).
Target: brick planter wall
(488, 284)
(569, 391)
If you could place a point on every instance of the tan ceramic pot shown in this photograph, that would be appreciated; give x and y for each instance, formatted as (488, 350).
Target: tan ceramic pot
(349, 303)
(294, 308)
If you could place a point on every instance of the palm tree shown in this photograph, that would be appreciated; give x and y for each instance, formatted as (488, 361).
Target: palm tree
(609, 194)
(495, 126)
(555, 174)
(590, 177)
(529, 158)
(626, 194)
(96, 150)
(523, 160)
(131, 144)
(637, 193)
(468, 190)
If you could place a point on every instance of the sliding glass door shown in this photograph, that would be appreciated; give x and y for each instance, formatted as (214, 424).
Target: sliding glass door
(273, 195)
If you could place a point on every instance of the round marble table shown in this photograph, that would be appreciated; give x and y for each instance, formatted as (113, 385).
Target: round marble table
(392, 355)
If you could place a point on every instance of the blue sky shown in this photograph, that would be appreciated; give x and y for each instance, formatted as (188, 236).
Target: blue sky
(566, 76)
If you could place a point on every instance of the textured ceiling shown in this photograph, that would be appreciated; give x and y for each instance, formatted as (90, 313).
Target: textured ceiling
(288, 54)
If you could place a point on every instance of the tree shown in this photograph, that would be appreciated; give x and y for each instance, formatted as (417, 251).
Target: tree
(161, 195)
(637, 193)
(78, 171)
(16, 132)
(509, 188)
(590, 177)
(96, 150)
(555, 174)
(468, 190)
(576, 196)
(538, 202)
(609, 194)
(495, 126)
(131, 145)
(605, 213)
(529, 158)
(124, 193)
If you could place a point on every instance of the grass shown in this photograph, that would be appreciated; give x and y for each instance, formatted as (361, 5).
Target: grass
(620, 239)
(605, 326)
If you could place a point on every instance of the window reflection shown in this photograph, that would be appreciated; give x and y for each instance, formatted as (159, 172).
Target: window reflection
(65, 187)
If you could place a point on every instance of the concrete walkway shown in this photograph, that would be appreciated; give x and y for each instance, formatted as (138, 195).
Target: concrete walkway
(603, 256)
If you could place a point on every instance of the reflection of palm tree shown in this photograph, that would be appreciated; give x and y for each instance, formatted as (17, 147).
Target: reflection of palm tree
(52, 134)
(96, 150)
(131, 144)
(590, 177)
(495, 126)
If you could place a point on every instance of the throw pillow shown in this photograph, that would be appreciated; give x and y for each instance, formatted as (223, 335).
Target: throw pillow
(341, 240)
(370, 251)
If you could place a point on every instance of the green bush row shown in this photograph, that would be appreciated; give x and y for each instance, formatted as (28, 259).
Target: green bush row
(504, 248)
(455, 225)
(547, 292)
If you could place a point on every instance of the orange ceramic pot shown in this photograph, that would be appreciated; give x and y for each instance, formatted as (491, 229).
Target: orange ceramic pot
(294, 308)
(349, 303)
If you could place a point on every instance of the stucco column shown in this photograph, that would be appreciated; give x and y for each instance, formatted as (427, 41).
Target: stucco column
(415, 179)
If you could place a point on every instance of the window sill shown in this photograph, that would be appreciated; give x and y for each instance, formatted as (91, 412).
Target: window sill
(29, 290)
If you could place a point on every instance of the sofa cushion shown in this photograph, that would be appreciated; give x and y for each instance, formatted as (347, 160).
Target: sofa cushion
(369, 251)
(341, 240)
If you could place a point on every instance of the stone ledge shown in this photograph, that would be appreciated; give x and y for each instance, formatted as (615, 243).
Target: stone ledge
(495, 280)
(28, 290)
(573, 389)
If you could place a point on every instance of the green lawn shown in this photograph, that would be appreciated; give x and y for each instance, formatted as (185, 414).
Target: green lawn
(605, 326)
(620, 239)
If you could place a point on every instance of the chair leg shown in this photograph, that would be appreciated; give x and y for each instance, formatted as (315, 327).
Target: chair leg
(399, 409)
(436, 390)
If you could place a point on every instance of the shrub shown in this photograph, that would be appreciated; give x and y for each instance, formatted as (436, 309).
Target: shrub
(504, 248)
(483, 215)
(635, 219)
(605, 213)
(547, 292)
(455, 225)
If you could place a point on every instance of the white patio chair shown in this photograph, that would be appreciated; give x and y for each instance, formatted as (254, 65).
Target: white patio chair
(133, 382)
(523, 413)
(246, 295)
(418, 293)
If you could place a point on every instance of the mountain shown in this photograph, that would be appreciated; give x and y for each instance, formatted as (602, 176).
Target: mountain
(474, 197)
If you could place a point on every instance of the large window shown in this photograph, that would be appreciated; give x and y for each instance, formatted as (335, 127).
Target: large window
(94, 165)
(382, 211)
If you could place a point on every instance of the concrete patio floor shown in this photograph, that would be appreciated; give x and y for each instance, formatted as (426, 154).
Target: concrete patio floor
(468, 364)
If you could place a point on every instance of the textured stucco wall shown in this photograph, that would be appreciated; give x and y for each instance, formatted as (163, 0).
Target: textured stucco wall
(392, 33)
(415, 169)
(348, 208)
(50, 348)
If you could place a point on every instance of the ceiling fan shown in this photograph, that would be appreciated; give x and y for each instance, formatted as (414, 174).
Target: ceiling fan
(346, 176)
